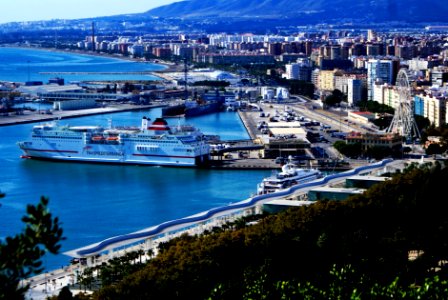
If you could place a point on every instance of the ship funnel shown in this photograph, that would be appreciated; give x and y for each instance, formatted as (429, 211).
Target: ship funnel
(159, 126)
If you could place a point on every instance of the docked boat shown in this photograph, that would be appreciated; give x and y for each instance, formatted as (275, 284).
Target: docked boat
(173, 110)
(289, 176)
(154, 143)
(192, 108)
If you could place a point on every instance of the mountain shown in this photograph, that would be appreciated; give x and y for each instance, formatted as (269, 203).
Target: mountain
(309, 10)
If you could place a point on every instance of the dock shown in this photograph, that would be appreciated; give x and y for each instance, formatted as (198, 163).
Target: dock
(33, 117)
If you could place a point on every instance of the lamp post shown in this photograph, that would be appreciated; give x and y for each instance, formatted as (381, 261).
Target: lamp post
(340, 121)
(28, 65)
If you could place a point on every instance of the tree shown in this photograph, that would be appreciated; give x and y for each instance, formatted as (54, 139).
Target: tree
(65, 294)
(300, 87)
(86, 278)
(21, 255)
(422, 122)
(350, 150)
(378, 152)
(434, 149)
(335, 98)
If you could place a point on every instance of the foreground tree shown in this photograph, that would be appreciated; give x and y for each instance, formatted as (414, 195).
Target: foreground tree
(21, 255)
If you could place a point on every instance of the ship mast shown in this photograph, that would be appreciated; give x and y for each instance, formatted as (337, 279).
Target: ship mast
(185, 78)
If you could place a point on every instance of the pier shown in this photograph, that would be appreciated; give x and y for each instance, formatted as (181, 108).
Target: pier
(32, 117)
(148, 239)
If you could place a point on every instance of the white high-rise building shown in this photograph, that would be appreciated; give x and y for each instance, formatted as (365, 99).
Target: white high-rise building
(300, 70)
(292, 71)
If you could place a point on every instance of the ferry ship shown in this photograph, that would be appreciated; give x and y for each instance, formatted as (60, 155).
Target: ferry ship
(153, 143)
(289, 176)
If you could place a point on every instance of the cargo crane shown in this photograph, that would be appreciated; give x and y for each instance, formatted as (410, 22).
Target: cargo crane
(185, 78)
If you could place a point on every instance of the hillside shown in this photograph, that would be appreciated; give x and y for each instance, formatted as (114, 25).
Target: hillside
(318, 11)
(328, 250)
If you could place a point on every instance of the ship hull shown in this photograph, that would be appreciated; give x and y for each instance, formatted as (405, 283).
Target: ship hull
(152, 144)
(191, 111)
(173, 111)
(212, 107)
(192, 163)
(116, 154)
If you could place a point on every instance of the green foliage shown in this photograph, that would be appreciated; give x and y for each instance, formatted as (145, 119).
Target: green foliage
(349, 150)
(383, 122)
(65, 294)
(378, 152)
(21, 255)
(435, 149)
(329, 250)
(422, 122)
(442, 132)
(300, 87)
(355, 150)
(375, 107)
(335, 98)
(348, 284)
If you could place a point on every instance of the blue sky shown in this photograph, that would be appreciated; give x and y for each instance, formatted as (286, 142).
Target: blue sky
(34, 10)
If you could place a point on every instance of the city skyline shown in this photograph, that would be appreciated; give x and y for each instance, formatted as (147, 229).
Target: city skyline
(25, 10)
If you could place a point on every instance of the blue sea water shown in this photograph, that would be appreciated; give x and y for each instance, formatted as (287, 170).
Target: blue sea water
(20, 65)
(95, 201)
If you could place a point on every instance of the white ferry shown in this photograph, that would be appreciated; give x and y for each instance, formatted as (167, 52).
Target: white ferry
(289, 176)
(151, 144)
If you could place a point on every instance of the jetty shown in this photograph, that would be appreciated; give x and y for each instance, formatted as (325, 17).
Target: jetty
(42, 116)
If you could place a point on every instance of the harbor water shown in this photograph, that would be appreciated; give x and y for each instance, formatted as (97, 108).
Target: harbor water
(98, 201)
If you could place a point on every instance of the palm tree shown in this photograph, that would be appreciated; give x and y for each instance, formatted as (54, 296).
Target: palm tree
(140, 253)
(150, 253)
(87, 278)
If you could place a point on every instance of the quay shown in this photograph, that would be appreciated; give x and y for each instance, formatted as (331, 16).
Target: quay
(31, 117)
(48, 284)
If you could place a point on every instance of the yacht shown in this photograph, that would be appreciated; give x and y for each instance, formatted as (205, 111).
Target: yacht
(289, 176)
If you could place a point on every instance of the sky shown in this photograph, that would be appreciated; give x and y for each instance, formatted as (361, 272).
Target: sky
(36, 10)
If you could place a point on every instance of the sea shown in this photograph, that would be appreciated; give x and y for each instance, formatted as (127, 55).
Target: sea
(97, 201)
(26, 64)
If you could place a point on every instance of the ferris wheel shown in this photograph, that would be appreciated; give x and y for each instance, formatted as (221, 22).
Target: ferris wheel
(403, 121)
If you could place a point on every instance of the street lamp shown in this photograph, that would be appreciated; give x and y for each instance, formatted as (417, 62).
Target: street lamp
(28, 64)
(340, 121)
